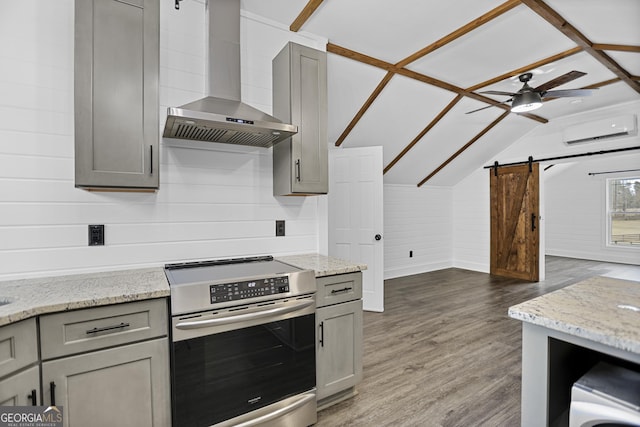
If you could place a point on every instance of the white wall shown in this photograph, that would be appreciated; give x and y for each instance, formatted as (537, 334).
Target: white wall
(471, 222)
(418, 220)
(576, 209)
(211, 203)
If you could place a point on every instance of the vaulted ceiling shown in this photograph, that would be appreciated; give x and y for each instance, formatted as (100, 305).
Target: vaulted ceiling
(405, 74)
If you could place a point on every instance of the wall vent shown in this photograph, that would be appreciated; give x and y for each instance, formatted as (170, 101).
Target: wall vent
(598, 130)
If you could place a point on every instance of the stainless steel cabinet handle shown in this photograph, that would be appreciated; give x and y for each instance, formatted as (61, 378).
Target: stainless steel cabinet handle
(299, 305)
(304, 399)
(108, 328)
(298, 170)
(337, 291)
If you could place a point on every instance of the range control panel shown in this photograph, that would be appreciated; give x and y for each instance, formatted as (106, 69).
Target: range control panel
(249, 289)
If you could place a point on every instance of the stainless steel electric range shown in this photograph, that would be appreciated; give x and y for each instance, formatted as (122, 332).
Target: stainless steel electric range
(243, 343)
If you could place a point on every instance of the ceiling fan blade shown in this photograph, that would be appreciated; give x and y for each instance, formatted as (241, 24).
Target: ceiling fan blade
(489, 106)
(498, 92)
(568, 93)
(565, 78)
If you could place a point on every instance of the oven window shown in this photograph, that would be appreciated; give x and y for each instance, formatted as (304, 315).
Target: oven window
(221, 376)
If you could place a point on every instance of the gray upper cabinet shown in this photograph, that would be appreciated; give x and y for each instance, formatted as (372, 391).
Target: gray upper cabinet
(116, 93)
(300, 98)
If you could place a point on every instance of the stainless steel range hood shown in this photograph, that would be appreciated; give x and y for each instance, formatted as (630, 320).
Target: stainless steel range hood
(222, 117)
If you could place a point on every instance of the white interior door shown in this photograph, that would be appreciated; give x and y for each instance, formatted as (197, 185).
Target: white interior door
(355, 216)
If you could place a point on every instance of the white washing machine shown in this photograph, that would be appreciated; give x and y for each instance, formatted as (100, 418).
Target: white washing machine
(607, 395)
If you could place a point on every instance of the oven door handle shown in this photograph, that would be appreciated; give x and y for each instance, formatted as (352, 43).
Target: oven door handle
(195, 324)
(304, 399)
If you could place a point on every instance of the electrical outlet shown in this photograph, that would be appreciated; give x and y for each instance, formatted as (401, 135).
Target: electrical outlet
(96, 235)
(279, 227)
(410, 254)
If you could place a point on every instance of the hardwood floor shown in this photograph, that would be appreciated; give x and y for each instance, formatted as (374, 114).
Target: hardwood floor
(445, 353)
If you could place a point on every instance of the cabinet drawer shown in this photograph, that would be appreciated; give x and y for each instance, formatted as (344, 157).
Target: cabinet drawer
(339, 288)
(79, 331)
(18, 346)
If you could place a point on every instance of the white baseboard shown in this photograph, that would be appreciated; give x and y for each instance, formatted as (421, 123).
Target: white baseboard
(393, 273)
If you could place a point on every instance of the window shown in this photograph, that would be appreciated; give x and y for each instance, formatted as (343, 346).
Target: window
(623, 212)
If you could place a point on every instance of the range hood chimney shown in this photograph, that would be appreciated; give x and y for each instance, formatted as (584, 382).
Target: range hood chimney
(222, 117)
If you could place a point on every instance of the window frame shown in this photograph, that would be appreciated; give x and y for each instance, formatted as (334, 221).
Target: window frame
(608, 215)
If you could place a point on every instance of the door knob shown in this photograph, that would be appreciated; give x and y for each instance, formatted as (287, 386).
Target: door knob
(378, 237)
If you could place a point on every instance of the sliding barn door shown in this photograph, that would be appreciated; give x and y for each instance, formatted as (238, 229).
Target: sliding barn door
(515, 236)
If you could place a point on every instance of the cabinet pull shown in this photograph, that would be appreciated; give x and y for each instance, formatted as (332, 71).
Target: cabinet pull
(321, 334)
(151, 160)
(33, 397)
(298, 170)
(108, 328)
(52, 386)
(337, 291)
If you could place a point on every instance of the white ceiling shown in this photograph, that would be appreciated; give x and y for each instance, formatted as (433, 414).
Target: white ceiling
(507, 44)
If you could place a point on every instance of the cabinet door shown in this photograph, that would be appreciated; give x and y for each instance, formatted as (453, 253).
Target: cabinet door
(18, 346)
(116, 93)
(123, 386)
(17, 389)
(300, 163)
(309, 112)
(339, 358)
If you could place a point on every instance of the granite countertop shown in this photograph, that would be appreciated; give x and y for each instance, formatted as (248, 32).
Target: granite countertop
(599, 309)
(31, 297)
(322, 264)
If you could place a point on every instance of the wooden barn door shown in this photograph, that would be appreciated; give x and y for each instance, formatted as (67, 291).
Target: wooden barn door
(515, 237)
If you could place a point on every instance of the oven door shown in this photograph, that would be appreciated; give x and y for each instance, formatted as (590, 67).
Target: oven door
(234, 361)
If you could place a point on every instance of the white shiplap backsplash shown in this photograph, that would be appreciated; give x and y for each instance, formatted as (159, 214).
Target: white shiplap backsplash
(212, 203)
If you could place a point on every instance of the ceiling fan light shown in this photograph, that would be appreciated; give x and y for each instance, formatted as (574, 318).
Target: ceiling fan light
(526, 101)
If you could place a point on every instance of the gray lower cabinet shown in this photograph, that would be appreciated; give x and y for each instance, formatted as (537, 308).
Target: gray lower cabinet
(21, 388)
(108, 365)
(339, 343)
(19, 373)
(123, 386)
(300, 163)
(116, 93)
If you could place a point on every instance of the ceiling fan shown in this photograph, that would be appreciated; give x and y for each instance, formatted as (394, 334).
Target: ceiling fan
(529, 98)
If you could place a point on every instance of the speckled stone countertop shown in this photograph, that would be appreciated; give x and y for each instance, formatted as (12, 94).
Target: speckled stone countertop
(322, 264)
(31, 297)
(599, 309)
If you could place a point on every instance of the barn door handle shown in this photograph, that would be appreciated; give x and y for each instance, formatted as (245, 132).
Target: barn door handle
(533, 222)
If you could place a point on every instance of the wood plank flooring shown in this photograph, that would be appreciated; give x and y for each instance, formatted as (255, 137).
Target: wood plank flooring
(445, 353)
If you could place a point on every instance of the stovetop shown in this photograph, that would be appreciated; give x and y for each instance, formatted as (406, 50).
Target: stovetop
(212, 284)
(223, 270)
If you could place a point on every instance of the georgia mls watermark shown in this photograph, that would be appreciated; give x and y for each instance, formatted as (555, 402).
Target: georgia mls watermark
(30, 416)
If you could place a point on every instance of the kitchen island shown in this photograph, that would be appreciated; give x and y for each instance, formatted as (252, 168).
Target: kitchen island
(565, 333)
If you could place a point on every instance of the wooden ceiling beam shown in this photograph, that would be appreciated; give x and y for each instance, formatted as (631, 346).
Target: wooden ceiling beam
(463, 148)
(423, 133)
(526, 68)
(616, 47)
(554, 18)
(356, 56)
(304, 15)
(476, 23)
(364, 108)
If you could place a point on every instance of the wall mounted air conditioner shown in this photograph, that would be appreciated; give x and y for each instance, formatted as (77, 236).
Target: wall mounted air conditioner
(613, 127)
